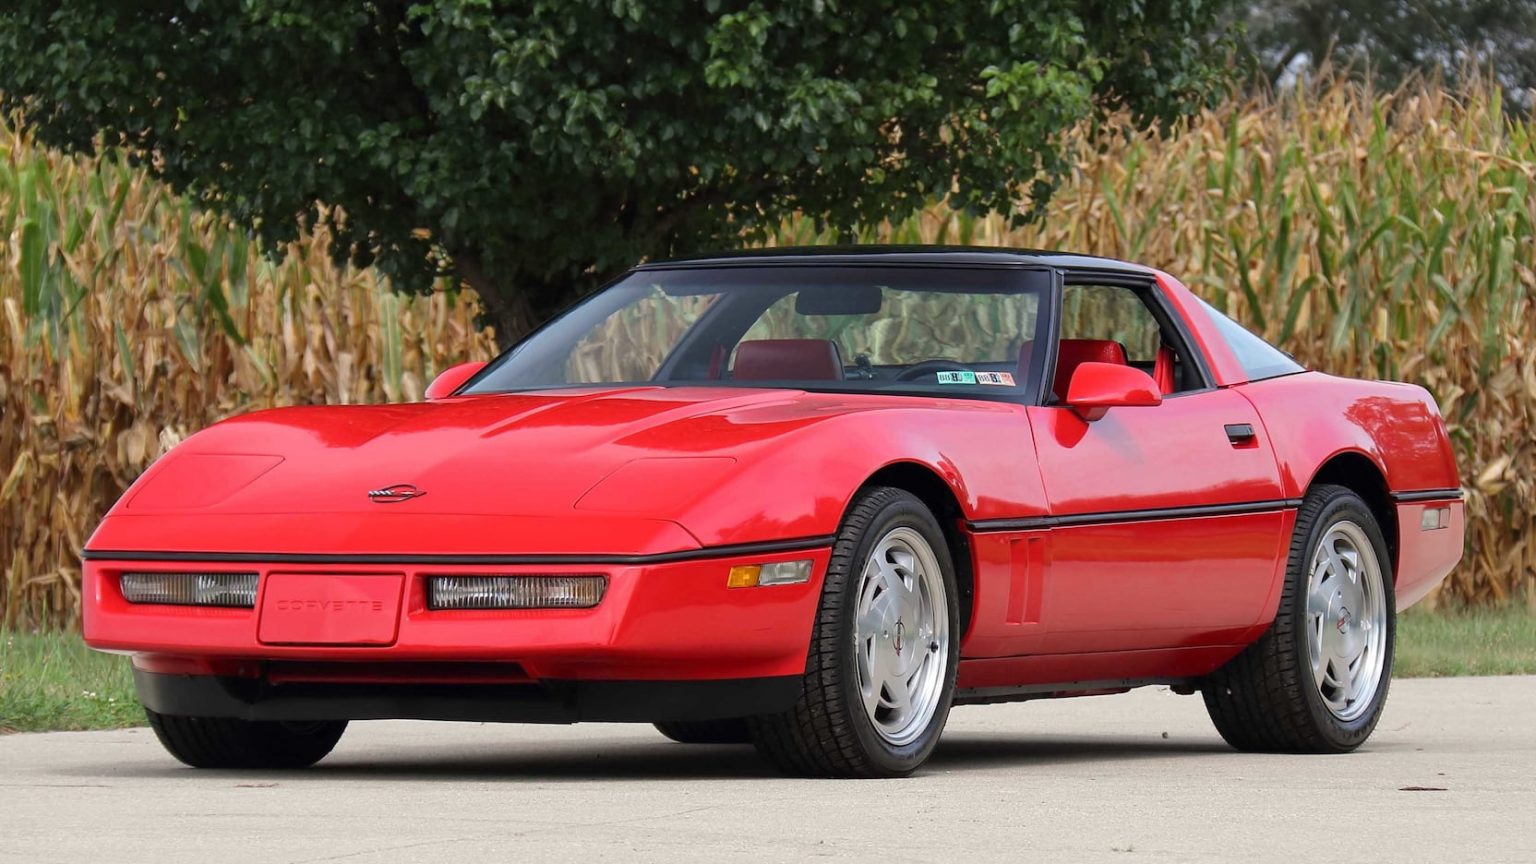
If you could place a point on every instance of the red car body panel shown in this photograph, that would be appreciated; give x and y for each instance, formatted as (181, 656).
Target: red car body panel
(1145, 545)
(1316, 418)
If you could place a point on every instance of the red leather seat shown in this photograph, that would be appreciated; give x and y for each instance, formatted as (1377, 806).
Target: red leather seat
(788, 360)
(1162, 369)
(1072, 353)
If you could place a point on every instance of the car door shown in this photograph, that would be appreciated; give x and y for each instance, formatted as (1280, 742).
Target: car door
(1167, 520)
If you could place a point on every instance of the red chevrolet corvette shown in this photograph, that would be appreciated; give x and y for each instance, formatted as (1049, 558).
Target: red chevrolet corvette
(809, 499)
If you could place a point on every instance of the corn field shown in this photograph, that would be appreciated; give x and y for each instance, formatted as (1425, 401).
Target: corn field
(131, 320)
(1382, 235)
(1374, 235)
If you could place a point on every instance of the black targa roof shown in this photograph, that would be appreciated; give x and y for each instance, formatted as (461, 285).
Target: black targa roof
(927, 256)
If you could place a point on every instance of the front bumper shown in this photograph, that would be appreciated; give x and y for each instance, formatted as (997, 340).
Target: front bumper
(674, 626)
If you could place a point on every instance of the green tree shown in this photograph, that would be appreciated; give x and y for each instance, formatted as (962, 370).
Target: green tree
(1397, 38)
(536, 148)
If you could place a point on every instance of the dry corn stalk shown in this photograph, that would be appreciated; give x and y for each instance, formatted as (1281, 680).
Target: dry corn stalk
(1382, 236)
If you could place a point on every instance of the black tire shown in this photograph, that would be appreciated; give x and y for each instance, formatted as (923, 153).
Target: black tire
(220, 742)
(729, 731)
(1264, 700)
(828, 733)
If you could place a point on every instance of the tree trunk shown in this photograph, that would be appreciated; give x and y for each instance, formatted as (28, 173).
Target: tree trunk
(508, 312)
(514, 304)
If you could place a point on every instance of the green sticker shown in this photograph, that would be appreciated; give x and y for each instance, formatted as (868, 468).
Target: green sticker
(957, 377)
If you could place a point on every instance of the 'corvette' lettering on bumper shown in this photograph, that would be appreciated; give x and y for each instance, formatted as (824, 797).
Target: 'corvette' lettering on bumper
(329, 606)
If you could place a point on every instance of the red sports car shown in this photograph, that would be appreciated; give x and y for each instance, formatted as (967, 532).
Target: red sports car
(809, 499)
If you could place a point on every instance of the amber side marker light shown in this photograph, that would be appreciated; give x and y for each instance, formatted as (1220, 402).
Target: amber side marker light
(515, 592)
(777, 573)
(190, 589)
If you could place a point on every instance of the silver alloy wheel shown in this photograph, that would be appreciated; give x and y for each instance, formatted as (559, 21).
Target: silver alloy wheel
(1346, 621)
(901, 635)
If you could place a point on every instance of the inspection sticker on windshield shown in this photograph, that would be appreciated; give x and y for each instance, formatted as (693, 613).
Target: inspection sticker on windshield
(1002, 379)
(957, 377)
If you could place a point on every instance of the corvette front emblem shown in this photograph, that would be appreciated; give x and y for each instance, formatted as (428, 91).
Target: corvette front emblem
(394, 494)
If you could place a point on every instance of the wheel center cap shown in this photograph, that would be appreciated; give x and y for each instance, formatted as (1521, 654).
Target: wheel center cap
(901, 629)
(1344, 618)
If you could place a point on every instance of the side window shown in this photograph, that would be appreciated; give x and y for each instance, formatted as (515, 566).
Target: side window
(1110, 312)
(1116, 323)
(1258, 358)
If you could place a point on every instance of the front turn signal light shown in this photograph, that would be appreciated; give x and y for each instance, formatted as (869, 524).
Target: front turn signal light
(777, 573)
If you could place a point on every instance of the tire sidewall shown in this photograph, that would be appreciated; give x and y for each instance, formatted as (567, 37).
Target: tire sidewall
(903, 511)
(1344, 505)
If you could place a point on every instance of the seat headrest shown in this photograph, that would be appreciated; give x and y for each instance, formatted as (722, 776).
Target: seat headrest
(787, 360)
(1072, 353)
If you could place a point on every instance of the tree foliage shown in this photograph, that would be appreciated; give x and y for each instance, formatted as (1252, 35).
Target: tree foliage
(1398, 38)
(535, 148)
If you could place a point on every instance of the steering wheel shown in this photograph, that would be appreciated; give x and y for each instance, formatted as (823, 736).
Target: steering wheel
(918, 370)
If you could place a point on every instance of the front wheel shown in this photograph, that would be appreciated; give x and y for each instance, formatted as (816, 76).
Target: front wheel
(221, 742)
(880, 674)
(1317, 681)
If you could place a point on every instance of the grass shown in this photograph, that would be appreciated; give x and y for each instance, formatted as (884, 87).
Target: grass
(1493, 641)
(50, 681)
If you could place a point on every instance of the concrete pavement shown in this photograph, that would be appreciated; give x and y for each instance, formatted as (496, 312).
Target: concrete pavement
(1450, 776)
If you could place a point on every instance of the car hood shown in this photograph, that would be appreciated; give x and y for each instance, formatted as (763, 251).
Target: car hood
(504, 473)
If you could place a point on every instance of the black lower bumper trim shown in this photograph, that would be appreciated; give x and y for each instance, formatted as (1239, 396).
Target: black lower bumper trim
(544, 702)
(1427, 495)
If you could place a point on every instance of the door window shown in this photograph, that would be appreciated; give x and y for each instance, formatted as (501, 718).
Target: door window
(1110, 312)
(1117, 323)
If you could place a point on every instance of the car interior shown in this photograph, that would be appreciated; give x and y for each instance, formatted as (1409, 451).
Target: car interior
(963, 333)
(788, 359)
(807, 359)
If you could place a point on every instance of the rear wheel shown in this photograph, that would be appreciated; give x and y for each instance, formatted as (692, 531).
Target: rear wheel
(1317, 681)
(221, 742)
(881, 669)
(729, 731)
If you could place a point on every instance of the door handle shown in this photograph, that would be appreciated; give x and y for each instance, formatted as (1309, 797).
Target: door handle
(1240, 433)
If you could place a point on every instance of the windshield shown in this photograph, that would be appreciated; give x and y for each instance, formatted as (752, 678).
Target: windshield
(928, 330)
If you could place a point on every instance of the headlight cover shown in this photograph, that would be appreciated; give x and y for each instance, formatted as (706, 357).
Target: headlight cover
(515, 592)
(190, 589)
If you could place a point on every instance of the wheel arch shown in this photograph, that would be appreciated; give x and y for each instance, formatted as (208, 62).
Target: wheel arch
(1360, 474)
(937, 495)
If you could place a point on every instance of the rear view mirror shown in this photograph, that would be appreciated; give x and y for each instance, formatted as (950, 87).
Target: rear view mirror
(839, 300)
(452, 379)
(1097, 387)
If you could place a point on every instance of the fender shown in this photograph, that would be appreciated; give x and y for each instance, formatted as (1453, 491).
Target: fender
(1396, 426)
(826, 462)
